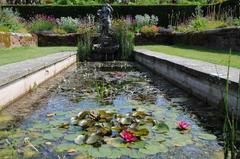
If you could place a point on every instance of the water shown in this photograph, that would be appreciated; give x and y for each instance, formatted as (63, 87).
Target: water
(118, 87)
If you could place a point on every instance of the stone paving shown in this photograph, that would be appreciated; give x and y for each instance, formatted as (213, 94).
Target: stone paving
(12, 72)
(218, 71)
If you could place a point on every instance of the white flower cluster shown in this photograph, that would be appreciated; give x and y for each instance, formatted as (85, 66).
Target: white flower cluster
(142, 20)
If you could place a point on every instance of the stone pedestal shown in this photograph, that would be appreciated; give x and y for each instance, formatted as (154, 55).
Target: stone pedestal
(107, 49)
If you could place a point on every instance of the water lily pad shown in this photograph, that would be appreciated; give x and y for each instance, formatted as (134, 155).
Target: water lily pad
(65, 147)
(153, 148)
(141, 132)
(139, 144)
(70, 137)
(28, 153)
(94, 152)
(207, 136)
(38, 141)
(48, 137)
(80, 139)
(136, 154)
(8, 153)
(93, 138)
(115, 142)
(161, 127)
(56, 133)
(106, 150)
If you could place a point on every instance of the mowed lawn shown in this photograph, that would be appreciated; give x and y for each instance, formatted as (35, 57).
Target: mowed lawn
(198, 53)
(13, 55)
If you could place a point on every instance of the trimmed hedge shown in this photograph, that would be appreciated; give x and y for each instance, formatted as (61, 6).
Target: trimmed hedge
(167, 14)
(164, 12)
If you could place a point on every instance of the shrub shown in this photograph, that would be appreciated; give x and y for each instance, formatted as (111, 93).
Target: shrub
(145, 20)
(9, 20)
(42, 23)
(149, 31)
(236, 21)
(68, 24)
(199, 23)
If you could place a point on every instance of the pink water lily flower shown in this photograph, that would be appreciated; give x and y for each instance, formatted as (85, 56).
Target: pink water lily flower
(182, 125)
(128, 136)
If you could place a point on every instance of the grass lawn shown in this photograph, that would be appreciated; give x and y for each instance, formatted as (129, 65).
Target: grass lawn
(13, 55)
(198, 53)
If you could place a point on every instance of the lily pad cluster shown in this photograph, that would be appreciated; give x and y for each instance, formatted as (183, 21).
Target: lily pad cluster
(100, 126)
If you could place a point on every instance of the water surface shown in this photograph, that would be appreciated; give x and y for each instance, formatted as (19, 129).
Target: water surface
(127, 88)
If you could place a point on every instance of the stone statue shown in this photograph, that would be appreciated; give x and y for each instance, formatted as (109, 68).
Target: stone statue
(105, 15)
(107, 46)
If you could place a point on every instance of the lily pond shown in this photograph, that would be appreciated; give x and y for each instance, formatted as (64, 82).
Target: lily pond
(103, 110)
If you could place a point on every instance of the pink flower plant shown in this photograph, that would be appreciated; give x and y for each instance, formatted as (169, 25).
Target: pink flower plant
(182, 125)
(44, 17)
(128, 136)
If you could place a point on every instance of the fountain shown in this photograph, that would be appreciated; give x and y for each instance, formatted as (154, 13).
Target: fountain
(106, 47)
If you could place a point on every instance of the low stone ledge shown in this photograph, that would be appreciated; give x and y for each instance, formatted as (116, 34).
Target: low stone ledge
(222, 38)
(19, 78)
(11, 40)
(12, 72)
(204, 80)
(51, 39)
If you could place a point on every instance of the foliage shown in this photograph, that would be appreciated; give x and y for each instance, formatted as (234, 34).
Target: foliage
(199, 23)
(42, 23)
(161, 11)
(85, 46)
(68, 24)
(145, 20)
(9, 20)
(125, 38)
(236, 21)
(149, 31)
(230, 121)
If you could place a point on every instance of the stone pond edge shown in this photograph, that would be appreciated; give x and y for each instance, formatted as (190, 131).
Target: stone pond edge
(202, 85)
(20, 85)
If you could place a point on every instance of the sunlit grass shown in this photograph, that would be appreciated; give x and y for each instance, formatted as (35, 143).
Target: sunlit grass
(198, 53)
(13, 55)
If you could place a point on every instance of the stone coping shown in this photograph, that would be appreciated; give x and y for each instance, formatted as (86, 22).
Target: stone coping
(196, 67)
(15, 71)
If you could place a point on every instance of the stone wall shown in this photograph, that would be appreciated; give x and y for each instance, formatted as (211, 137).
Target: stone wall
(203, 80)
(224, 38)
(45, 39)
(10, 40)
(70, 39)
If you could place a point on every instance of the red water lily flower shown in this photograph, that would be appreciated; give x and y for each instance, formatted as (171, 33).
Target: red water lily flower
(182, 125)
(128, 136)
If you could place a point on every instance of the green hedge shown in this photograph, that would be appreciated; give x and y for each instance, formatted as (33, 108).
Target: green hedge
(164, 12)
